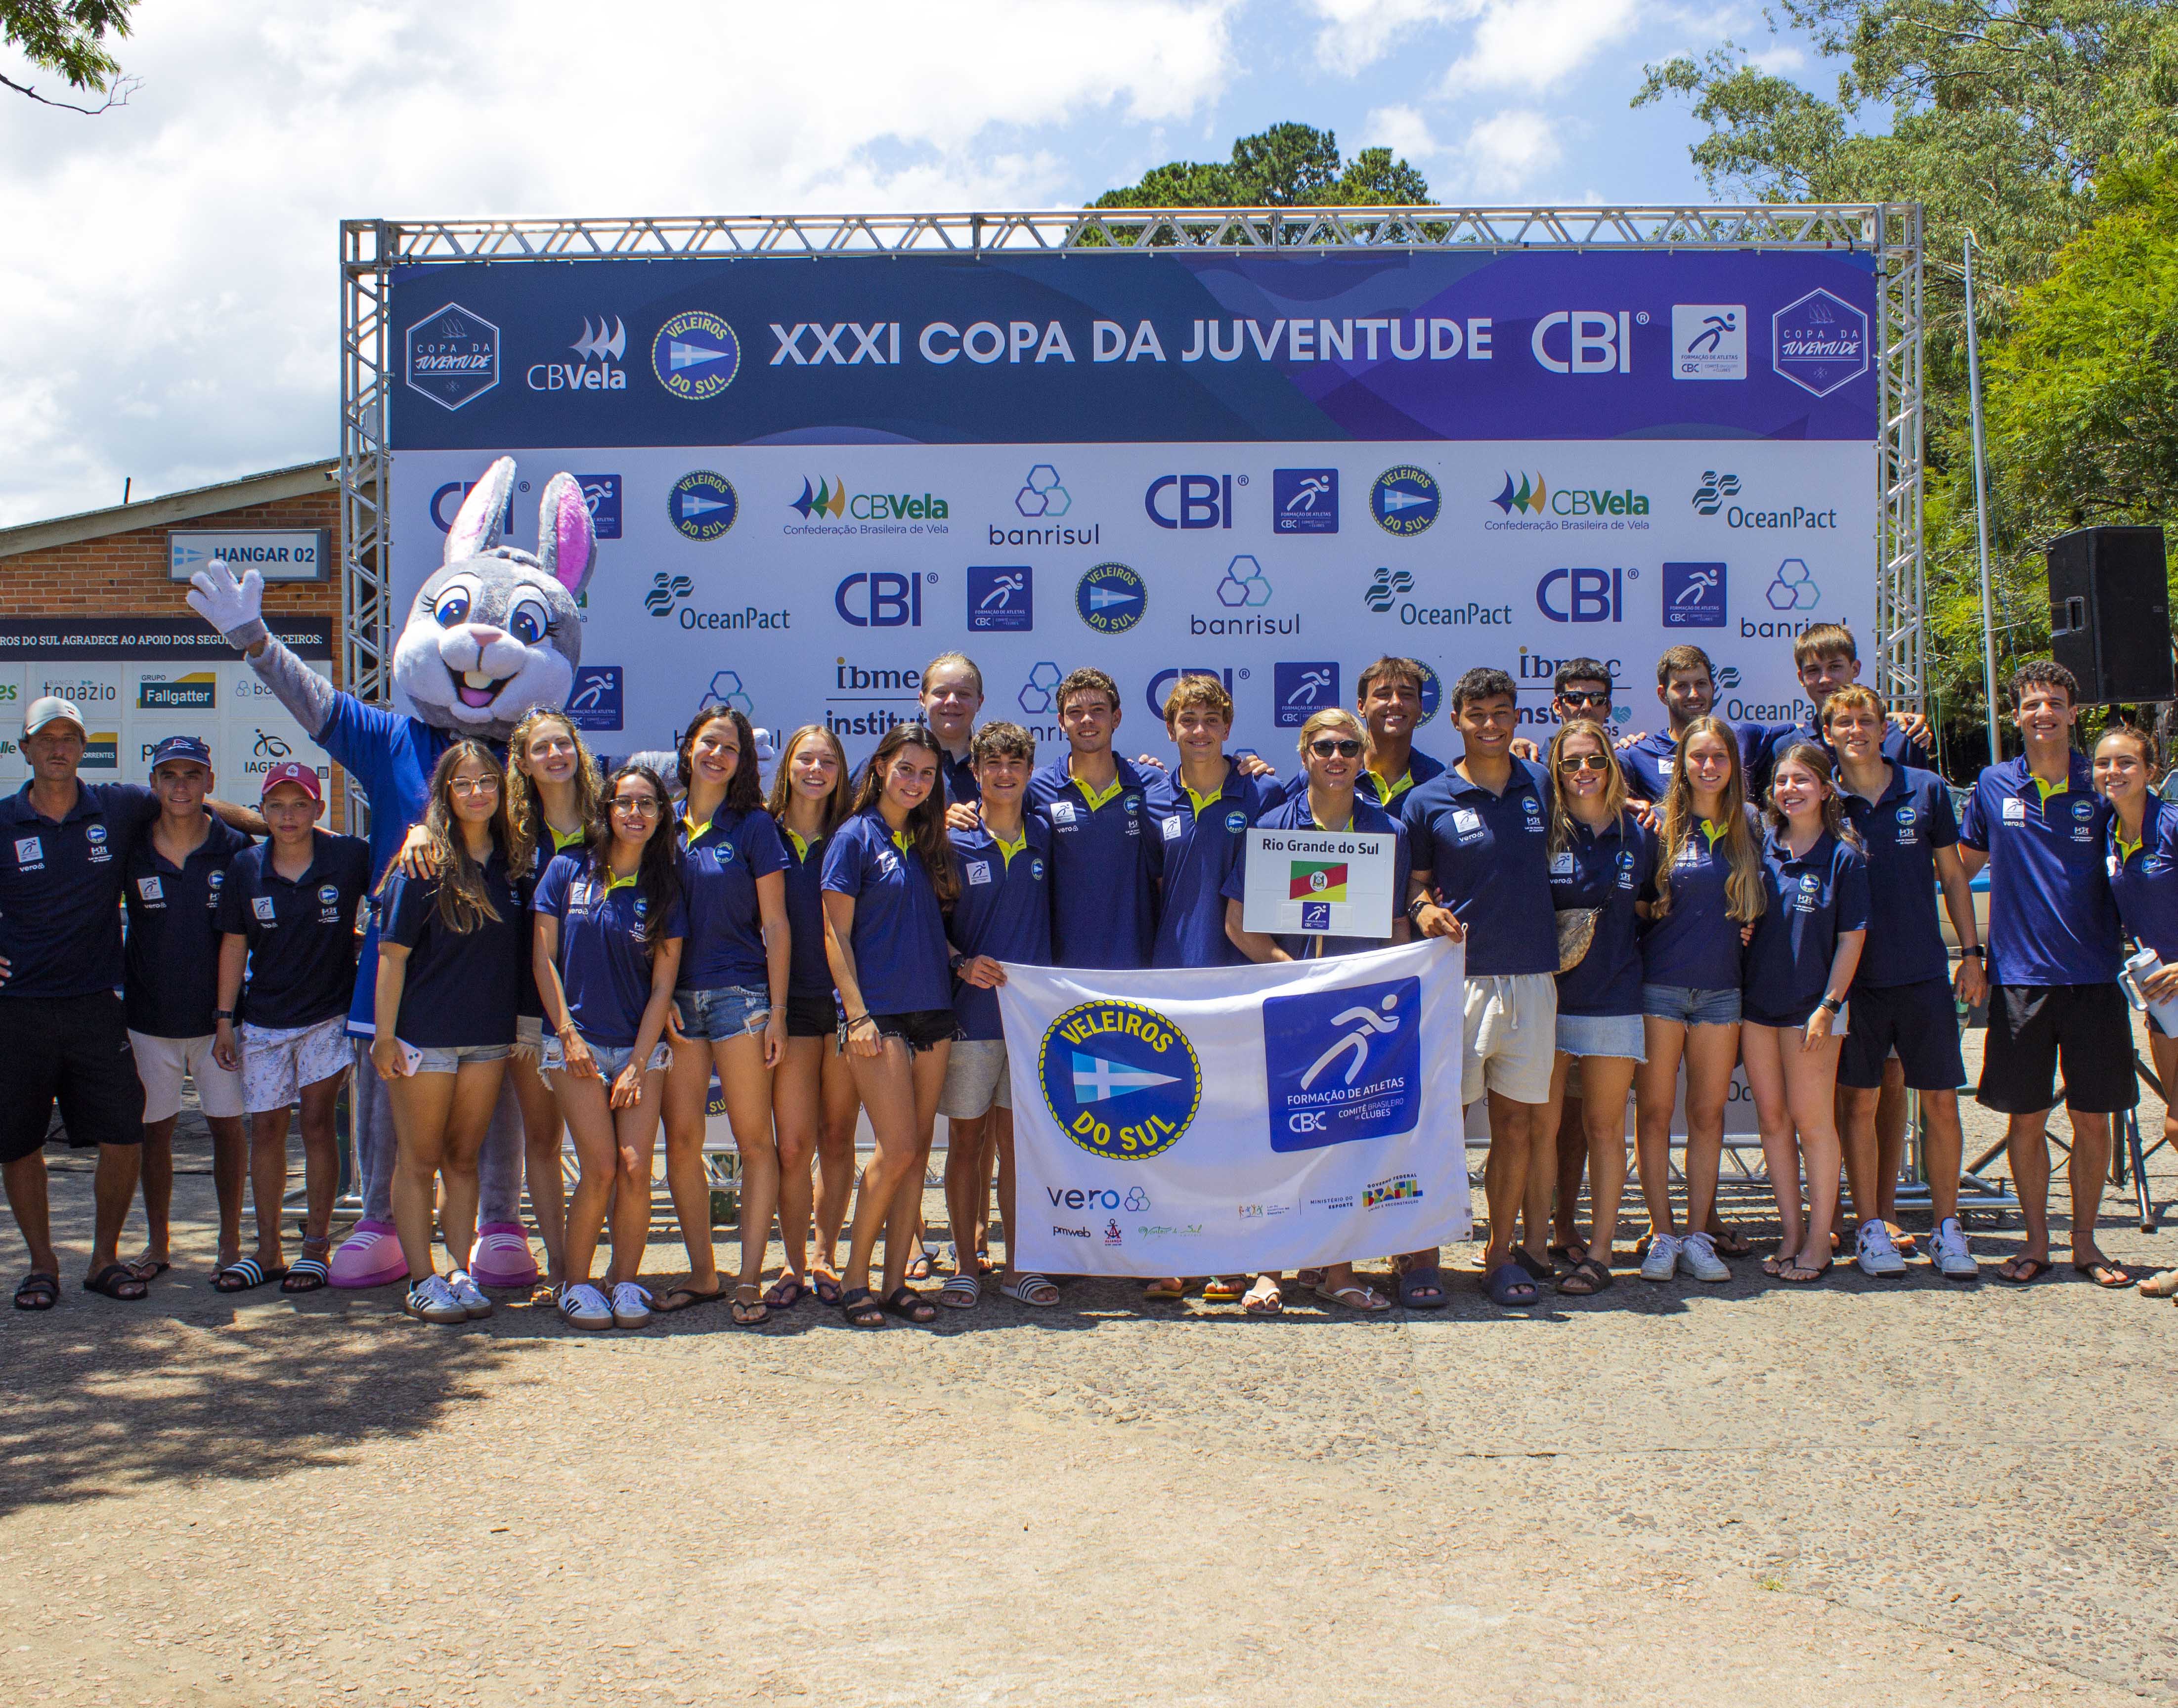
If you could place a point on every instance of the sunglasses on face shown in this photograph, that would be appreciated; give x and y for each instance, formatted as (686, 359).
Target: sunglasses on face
(1585, 697)
(1345, 748)
(1583, 761)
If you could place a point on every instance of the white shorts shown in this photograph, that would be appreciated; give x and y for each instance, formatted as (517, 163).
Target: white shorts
(1511, 1036)
(162, 1063)
(278, 1061)
(977, 1080)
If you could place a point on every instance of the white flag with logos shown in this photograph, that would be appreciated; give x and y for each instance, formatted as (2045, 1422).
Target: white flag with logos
(1223, 1119)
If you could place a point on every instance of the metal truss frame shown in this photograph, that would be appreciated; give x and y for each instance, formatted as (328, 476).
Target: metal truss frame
(1892, 232)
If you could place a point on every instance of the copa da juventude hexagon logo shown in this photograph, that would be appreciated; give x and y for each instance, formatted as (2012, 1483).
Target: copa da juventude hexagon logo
(451, 356)
(1820, 342)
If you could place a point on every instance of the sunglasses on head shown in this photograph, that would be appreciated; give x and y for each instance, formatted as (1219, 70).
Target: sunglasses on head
(1346, 747)
(1583, 761)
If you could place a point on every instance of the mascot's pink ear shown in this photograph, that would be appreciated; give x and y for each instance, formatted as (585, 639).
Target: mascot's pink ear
(476, 529)
(566, 543)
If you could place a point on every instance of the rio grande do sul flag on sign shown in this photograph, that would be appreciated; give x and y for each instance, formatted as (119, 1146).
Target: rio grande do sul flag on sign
(1218, 1119)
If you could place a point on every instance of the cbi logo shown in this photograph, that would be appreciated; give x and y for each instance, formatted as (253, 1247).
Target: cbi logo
(1192, 500)
(881, 598)
(1584, 595)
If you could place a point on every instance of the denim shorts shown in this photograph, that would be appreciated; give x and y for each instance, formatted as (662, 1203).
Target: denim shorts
(725, 1011)
(610, 1057)
(1690, 1006)
(449, 1060)
(1603, 1035)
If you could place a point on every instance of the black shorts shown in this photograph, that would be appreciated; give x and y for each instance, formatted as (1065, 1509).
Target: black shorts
(2032, 1028)
(74, 1051)
(1920, 1021)
(919, 1028)
(812, 1016)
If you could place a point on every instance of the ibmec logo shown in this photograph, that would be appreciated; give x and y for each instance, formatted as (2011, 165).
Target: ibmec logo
(1819, 343)
(881, 599)
(1584, 595)
(1192, 500)
(452, 357)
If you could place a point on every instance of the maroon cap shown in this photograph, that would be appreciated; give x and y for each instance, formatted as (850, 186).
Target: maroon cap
(301, 776)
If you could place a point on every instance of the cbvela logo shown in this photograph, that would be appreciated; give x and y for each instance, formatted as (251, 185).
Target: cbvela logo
(1709, 340)
(696, 356)
(451, 356)
(597, 365)
(829, 498)
(1342, 1065)
(1819, 342)
(1399, 1189)
(1121, 1079)
(1589, 505)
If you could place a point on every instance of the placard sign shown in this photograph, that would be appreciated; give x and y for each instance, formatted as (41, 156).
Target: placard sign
(278, 555)
(1320, 882)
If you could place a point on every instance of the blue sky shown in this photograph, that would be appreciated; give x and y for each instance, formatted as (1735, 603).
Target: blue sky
(174, 322)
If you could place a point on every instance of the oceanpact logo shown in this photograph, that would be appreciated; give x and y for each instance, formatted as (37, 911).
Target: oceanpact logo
(1301, 690)
(830, 498)
(1584, 595)
(1111, 598)
(596, 369)
(198, 691)
(1120, 1077)
(1793, 587)
(696, 356)
(1694, 596)
(702, 505)
(451, 356)
(1192, 500)
(1001, 598)
(1384, 587)
(1304, 500)
(881, 599)
(1404, 500)
(1344, 1065)
(665, 591)
(1819, 343)
(1709, 340)
(595, 700)
(1715, 488)
(1035, 694)
(1535, 497)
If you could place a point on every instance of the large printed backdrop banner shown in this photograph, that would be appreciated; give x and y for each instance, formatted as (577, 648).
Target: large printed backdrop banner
(1223, 1120)
(811, 474)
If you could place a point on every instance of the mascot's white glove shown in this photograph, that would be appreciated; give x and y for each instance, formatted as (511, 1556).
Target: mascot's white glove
(235, 608)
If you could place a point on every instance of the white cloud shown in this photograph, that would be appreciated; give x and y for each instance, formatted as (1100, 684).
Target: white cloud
(1507, 151)
(1537, 44)
(168, 289)
(1357, 33)
(1403, 130)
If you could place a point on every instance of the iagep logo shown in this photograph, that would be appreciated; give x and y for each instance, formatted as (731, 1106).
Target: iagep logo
(1344, 1065)
(1120, 1078)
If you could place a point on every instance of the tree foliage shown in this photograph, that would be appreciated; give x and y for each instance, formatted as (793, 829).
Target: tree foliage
(1289, 166)
(68, 37)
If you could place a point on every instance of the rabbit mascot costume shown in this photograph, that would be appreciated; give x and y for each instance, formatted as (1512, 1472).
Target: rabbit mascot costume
(493, 633)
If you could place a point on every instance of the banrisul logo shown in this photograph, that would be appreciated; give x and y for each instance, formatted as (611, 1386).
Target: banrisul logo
(1526, 495)
(696, 356)
(1344, 1065)
(1120, 1078)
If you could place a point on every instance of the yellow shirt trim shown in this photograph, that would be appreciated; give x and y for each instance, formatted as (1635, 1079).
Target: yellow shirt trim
(564, 838)
(695, 830)
(1006, 849)
(1203, 803)
(1096, 799)
(1715, 832)
(1387, 793)
(2127, 850)
(2047, 789)
(901, 839)
(801, 847)
(620, 883)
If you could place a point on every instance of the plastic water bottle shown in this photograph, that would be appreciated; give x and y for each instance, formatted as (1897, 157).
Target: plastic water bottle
(2138, 970)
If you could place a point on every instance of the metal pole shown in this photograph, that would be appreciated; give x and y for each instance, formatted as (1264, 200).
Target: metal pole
(1981, 514)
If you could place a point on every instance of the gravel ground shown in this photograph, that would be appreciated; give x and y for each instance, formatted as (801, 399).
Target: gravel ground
(1945, 1496)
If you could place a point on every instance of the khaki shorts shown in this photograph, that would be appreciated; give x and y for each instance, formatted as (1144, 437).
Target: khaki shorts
(977, 1080)
(1510, 1038)
(162, 1063)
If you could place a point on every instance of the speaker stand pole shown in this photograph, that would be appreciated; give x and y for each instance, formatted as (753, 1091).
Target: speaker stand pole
(1981, 515)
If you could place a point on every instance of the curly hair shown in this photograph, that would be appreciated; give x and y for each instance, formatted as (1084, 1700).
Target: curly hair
(525, 818)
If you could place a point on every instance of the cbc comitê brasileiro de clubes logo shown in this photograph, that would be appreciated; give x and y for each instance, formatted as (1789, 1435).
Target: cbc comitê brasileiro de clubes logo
(1121, 1078)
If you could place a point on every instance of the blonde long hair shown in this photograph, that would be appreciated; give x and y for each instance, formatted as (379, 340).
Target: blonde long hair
(1614, 780)
(1677, 822)
(525, 816)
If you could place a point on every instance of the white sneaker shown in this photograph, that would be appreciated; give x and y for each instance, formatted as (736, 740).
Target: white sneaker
(1697, 1258)
(1948, 1254)
(631, 1305)
(1663, 1262)
(432, 1301)
(584, 1307)
(467, 1294)
(1878, 1254)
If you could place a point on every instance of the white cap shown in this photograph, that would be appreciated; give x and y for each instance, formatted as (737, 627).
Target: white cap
(49, 708)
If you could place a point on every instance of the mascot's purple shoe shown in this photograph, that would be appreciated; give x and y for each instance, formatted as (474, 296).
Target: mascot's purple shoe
(501, 1257)
(370, 1256)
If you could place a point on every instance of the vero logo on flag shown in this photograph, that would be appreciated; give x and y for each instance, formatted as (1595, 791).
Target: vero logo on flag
(1317, 881)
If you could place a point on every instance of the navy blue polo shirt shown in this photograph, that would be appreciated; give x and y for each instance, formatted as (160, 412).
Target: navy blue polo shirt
(1104, 865)
(959, 775)
(1898, 749)
(899, 935)
(60, 889)
(169, 983)
(527, 1000)
(1421, 768)
(2144, 878)
(301, 933)
(1199, 842)
(604, 963)
(2052, 919)
(1696, 945)
(1900, 833)
(461, 987)
(1004, 912)
(808, 969)
(1810, 899)
(1609, 870)
(721, 861)
(1487, 858)
(1294, 815)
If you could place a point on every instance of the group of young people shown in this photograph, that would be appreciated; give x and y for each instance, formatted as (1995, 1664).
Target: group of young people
(1637, 913)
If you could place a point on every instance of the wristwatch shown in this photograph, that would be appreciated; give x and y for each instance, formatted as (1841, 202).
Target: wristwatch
(1414, 907)
(1833, 1003)
(1974, 949)
(219, 1014)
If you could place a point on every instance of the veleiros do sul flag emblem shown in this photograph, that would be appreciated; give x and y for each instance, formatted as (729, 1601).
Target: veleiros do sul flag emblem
(1219, 1119)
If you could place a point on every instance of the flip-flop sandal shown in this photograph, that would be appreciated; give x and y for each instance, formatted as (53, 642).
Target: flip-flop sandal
(1165, 1291)
(2163, 1285)
(786, 1293)
(1507, 1283)
(2103, 1272)
(148, 1268)
(2020, 1270)
(748, 1312)
(827, 1290)
(1795, 1275)
(1354, 1298)
(860, 1306)
(1031, 1289)
(960, 1292)
(1264, 1302)
(909, 1306)
(307, 1276)
(1218, 1290)
(1730, 1242)
(114, 1281)
(689, 1298)
(38, 1291)
(1422, 1289)
(243, 1277)
(1586, 1279)
(922, 1265)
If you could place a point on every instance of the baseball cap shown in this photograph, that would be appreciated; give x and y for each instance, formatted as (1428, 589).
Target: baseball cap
(188, 747)
(301, 776)
(49, 708)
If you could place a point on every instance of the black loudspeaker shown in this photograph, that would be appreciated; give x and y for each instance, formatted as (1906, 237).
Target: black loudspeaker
(2109, 614)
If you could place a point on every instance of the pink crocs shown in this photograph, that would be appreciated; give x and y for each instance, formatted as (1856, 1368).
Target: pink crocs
(370, 1256)
(501, 1257)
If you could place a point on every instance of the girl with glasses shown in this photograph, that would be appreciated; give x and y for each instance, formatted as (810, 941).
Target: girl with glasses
(1602, 860)
(609, 931)
(1332, 744)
